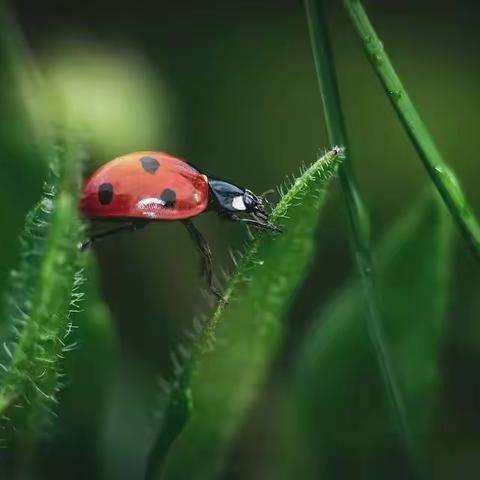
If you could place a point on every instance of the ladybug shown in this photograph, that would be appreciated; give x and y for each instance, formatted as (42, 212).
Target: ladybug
(143, 187)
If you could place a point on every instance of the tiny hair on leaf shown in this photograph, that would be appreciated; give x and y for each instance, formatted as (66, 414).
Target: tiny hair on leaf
(44, 292)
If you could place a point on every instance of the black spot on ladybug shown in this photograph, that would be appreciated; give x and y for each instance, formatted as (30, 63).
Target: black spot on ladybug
(168, 198)
(105, 193)
(149, 164)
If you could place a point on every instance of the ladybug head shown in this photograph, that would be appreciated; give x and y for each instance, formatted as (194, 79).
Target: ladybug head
(255, 204)
(232, 199)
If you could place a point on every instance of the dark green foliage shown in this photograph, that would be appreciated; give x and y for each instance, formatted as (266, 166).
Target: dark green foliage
(249, 110)
(338, 385)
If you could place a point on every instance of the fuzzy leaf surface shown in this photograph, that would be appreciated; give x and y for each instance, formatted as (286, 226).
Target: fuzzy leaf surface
(247, 330)
(44, 291)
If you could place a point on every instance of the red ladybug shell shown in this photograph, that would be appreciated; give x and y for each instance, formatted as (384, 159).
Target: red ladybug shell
(145, 185)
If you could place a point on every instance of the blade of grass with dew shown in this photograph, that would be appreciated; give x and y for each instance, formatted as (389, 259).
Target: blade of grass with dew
(337, 389)
(441, 175)
(357, 212)
(44, 290)
(247, 330)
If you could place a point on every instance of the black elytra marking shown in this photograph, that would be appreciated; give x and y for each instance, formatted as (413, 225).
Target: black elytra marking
(168, 197)
(105, 193)
(149, 164)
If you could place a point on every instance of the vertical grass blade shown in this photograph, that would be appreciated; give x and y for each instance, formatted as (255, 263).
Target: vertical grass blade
(246, 332)
(337, 386)
(356, 209)
(44, 290)
(358, 215)
(90, 366)
(441, 175)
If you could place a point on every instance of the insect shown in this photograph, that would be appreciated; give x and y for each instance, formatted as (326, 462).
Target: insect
(134, 190)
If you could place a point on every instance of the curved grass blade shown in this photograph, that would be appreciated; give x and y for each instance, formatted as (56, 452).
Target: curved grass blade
(44, 291)
(246, 331)
(338, 390)
(441, 175)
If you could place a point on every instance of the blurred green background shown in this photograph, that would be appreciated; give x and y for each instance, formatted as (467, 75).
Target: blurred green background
(230, 86)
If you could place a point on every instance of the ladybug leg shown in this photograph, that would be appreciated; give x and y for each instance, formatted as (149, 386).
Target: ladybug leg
(261, 225)
(131, 226)
(206, 254)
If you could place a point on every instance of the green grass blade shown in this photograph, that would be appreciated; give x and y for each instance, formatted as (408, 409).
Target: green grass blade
(357, 212)
(44, 290)
(337, 384)
(91, 365)
(248, 328)
(441, 175)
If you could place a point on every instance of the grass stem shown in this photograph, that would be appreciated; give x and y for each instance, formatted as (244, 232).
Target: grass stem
(441, 175)
(357, 212)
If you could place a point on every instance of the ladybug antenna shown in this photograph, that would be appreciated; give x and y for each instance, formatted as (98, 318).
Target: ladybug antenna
(267, 192)
(264, 196)
(257, 204)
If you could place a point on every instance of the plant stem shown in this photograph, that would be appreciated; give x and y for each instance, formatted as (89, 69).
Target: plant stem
(357, 213)
(441, 175)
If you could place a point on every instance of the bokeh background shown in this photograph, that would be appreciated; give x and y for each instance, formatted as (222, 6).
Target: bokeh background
(230, 86)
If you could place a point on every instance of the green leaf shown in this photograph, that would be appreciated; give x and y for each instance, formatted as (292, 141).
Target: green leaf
(338, 385)
(248, 329)
(44, 292)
